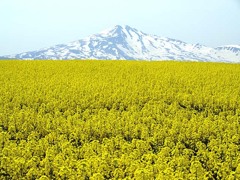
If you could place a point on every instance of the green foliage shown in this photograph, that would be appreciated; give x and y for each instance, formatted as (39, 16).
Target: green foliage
(119, 120)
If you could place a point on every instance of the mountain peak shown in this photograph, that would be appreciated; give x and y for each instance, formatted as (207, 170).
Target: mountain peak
(122, 27)
(125, 42)
(118, 29)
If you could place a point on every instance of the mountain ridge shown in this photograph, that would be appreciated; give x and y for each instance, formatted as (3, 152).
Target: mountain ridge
(127, 43)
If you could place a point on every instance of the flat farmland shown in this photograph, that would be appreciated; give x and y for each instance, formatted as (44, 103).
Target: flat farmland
(119, 120)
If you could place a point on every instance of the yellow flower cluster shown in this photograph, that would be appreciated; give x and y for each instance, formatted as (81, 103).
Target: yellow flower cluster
(119, 120)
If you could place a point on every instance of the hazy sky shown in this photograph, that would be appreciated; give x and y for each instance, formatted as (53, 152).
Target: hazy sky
(33, 24)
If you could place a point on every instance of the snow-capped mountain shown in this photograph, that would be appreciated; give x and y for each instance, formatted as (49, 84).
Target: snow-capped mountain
(124, 42)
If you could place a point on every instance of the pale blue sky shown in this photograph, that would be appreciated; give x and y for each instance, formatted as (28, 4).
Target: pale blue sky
(33, 24)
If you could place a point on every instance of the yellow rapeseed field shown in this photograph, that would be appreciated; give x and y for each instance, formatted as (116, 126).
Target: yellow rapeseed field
(119, 120)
